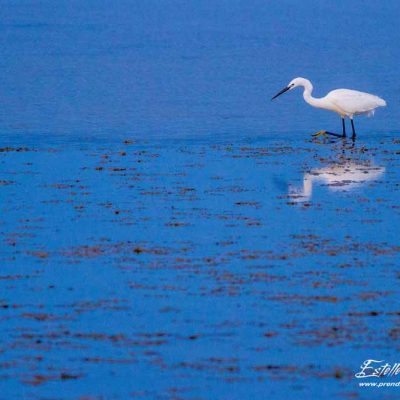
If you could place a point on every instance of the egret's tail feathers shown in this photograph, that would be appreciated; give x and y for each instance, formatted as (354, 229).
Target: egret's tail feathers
(381, 102)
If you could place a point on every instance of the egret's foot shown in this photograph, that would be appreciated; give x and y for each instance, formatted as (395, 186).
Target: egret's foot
(319, 133)
(335, 134)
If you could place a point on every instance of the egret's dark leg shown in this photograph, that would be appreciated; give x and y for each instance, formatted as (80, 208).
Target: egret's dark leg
(352, 127)
(319, 133)
(333, 133)
(343, 128)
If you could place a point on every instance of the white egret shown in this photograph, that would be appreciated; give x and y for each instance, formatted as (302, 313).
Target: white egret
(345, 102)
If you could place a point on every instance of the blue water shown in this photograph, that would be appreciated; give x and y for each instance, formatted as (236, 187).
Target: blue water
(168, 232)
(182, 68)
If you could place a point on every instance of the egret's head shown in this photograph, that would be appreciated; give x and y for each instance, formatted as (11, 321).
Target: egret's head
(295, 83)
(292, 84)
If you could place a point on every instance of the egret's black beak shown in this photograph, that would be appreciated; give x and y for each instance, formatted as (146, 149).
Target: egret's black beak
(281, 92)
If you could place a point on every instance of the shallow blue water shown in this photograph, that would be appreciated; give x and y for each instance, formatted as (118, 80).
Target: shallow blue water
(169, 233)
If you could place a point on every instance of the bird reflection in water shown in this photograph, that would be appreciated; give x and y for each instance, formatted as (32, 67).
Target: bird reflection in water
(346, 174)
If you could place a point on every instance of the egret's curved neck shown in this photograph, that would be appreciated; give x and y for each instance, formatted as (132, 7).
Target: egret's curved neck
(307, 95)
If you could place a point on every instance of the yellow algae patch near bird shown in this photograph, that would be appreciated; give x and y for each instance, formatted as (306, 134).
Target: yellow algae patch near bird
(319, 133)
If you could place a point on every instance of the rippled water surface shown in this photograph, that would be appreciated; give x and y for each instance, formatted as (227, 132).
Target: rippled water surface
(166, 231)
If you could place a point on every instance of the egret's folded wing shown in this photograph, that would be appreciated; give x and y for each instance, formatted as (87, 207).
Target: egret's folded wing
(354, 102)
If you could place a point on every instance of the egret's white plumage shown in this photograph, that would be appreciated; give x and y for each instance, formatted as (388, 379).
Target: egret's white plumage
(345, 102)
(353, 102)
